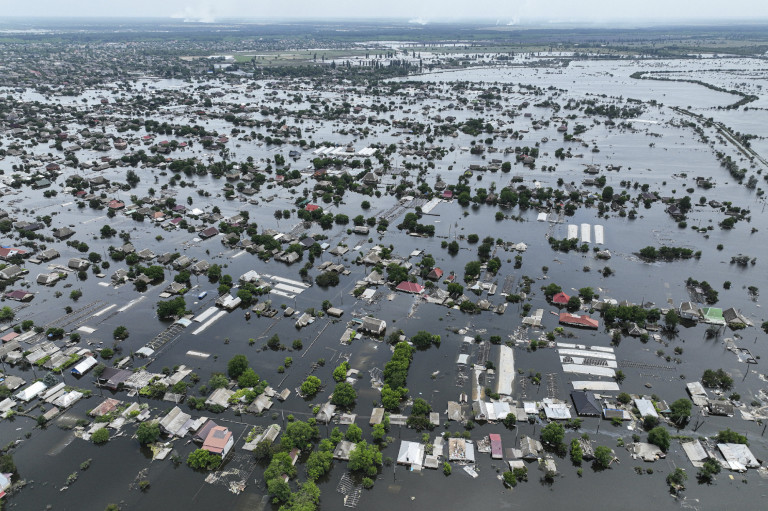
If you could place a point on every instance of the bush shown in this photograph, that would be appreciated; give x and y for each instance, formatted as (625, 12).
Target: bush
(100, 436)
(731, 437)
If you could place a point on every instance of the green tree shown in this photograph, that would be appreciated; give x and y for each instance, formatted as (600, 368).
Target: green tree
(217, 381)
(7, 466)
(120, 333)
(587, 293)
(311, 386)
(717, 379)
(264, 451)
(423, 340)
(455, 289)
(671, 319)
(237, 366)
(577, 454)
(6, 314)
(340, 373)
(318, 464)
(298, 434)
(472, 270)
(171, 308)
(574, 304)
(279, 489)
(680, 412)
(396, 273)
(148, 432)
(379, 432)
(344, 395)
(676, 479)
(551, 290)
(248, 378)
(708, 471)
(553, 434)
(281, 464)
(306, 499)
(603, 456)
(390, 398)
(365, 459)
(510, 420)
(354, 434)
(659, 436)
(650, 422)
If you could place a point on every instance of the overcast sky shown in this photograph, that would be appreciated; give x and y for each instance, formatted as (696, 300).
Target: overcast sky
(500, 11)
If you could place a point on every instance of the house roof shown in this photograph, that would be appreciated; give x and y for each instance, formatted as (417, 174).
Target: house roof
(18, 294)
(436, 273)
(410, 287)
(207, 233)
(217, 439)
(6, 252)
(585, 403)
(561, 298)
(581, 321)
(496, 448)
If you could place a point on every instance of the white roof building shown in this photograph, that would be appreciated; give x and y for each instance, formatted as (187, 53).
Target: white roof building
(31, 391)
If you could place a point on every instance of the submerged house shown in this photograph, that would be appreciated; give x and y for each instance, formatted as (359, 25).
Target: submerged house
(582, 321)
(219, 441)
(373, 325)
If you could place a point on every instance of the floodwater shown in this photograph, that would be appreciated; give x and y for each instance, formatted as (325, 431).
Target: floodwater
(51, 454)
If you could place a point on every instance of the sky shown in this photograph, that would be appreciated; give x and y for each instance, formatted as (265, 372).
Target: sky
(502, 12)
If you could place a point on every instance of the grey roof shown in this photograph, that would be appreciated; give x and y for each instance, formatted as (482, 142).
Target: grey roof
(585, 403)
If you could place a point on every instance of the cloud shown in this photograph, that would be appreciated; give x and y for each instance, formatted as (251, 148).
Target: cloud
(203, 12)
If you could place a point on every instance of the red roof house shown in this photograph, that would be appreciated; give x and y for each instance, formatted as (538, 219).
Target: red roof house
(312, 207)
(410, 287)
(561, 298)
(582, 321)
(8, 252)
(219, 441)
(496, 450)
(435, 274)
